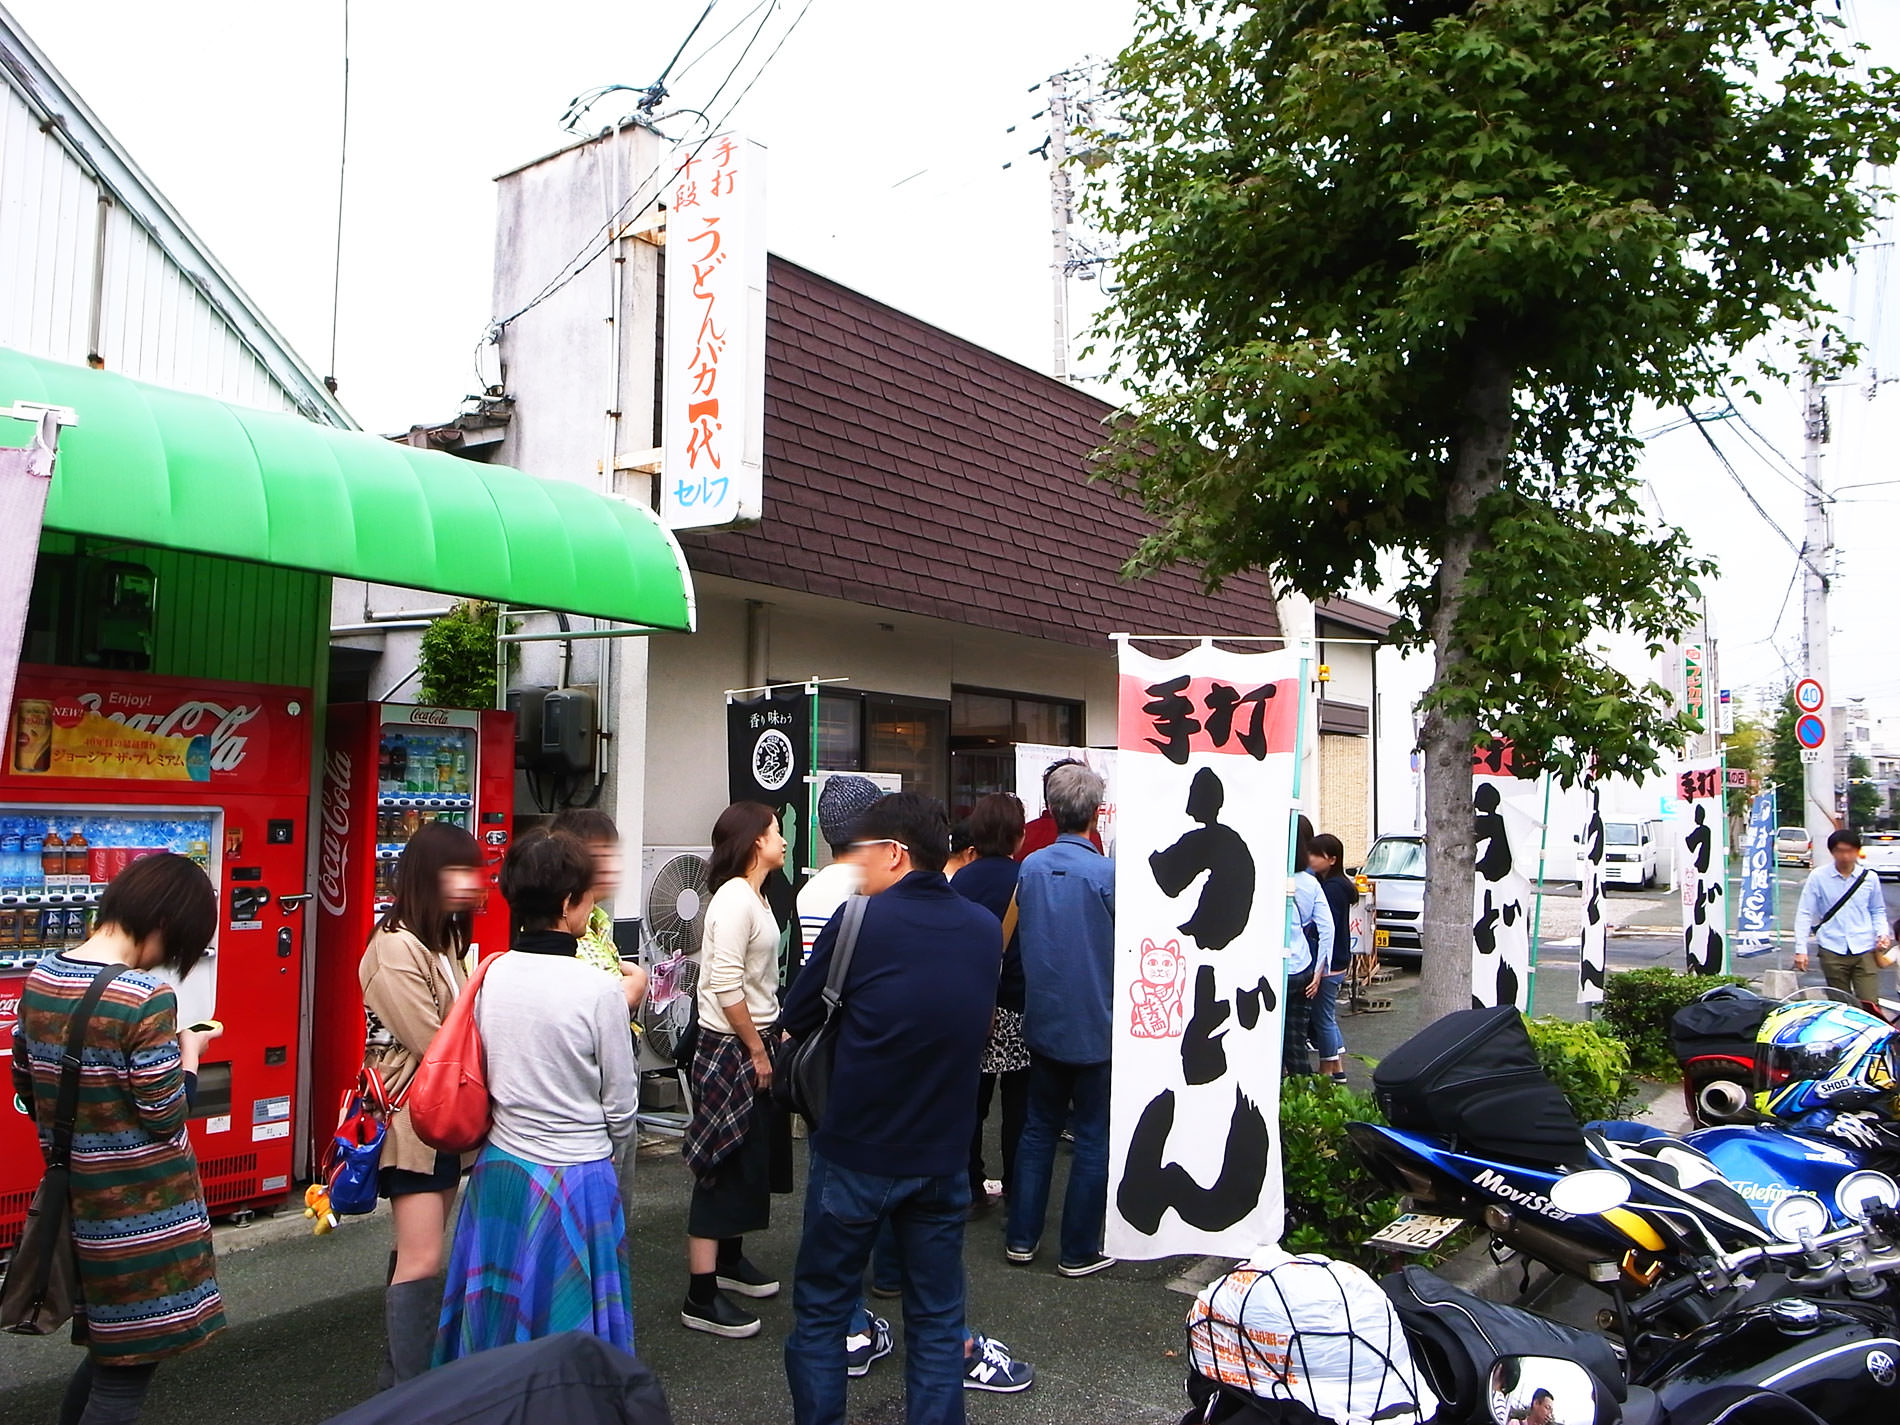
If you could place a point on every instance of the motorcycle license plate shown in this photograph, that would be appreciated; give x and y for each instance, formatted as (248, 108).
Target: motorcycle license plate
(1415, 1232)
(1381, 939)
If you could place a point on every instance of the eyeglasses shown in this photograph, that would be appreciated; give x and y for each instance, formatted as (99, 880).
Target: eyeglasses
(881, 841)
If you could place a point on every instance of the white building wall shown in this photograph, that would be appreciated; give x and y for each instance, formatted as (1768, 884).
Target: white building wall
(828, 638)
(154, 324)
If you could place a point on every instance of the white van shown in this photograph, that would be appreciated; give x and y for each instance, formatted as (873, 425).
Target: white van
(1629, 851)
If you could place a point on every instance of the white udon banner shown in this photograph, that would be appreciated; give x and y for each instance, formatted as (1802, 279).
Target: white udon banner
(1209, 746)
(1593, 945)
(1702, 866)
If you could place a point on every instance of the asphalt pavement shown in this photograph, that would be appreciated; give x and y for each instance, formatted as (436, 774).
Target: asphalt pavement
(306, 1312)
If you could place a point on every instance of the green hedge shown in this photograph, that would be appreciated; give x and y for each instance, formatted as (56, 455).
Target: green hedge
(1589, 1063)
(1638, 1005)
(1333, 1203)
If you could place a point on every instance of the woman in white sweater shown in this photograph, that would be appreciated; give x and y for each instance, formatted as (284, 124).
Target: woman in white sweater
(728, 1144)
(541, 1243)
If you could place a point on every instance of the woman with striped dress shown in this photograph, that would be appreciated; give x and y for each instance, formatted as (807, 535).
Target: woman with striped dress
(140, 1229)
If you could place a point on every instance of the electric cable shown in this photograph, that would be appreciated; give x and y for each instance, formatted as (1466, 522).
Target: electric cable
(1749, 495)
(584, 258)
(342, 168)
(692, 63)
(657, 90)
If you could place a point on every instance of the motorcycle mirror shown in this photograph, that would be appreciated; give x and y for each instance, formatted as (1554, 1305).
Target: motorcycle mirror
(1586, 1193)
(1542, 1390)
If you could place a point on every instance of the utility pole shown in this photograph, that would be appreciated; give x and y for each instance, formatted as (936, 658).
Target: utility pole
(1817, 558)
(1061, 215)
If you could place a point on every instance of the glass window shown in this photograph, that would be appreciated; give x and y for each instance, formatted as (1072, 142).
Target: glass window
(979, 719)
(1619, 833)
(984, 715)
(1401, 857)
(840, 732)
(910, 737)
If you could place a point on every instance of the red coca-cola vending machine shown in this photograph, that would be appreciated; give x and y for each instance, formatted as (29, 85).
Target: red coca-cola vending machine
(102, 768)
(388, 769)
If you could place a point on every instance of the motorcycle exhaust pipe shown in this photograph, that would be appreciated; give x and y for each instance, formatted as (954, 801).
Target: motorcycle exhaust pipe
(1551, 1248)
(1722, 1100)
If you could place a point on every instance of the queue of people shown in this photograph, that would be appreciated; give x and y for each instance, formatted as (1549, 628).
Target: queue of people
(992, 986)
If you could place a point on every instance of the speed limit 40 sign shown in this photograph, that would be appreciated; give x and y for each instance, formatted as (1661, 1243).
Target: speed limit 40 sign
(1809, 695)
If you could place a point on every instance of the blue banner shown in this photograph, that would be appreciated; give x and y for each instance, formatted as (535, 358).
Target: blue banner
(1755, 919)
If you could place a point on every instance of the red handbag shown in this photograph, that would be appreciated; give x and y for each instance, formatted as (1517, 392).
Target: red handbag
(448, 1098)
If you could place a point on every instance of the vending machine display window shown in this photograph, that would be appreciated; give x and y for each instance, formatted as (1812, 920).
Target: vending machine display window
(56, 862)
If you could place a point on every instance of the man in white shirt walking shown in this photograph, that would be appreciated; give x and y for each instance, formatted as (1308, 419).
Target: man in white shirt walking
(1842, 907)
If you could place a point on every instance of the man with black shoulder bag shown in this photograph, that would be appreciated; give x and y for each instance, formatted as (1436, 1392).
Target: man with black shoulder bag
(1841, 906)
(910, 1017)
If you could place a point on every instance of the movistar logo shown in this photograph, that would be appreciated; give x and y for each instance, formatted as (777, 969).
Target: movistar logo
(1493, 1182)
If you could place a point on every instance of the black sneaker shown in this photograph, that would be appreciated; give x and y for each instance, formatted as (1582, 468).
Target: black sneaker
(1088, 1268)
(746, 1280)
(719, 1317)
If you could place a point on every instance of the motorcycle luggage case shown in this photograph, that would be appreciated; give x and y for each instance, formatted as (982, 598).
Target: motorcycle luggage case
(1723, 1021)
(1474, 1076)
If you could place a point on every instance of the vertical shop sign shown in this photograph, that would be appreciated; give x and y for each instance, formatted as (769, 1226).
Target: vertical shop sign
(712, 453)
(1755, 911)
(1702, 858)
(1593, 952)
(768, 759)
(1209, 751)
(1695, 692)
(1501, 892)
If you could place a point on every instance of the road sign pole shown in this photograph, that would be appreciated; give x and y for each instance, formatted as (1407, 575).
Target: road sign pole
(1817, 553)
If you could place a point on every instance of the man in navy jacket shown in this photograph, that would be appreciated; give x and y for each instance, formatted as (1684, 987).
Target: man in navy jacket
(894, 1141)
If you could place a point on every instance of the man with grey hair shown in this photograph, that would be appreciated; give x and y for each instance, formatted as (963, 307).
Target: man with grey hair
(1065, 903)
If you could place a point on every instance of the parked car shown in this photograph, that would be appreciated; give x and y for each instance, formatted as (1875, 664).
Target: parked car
(1793, 846)
(1880, 853)
(1629, 852)
(1396, 867)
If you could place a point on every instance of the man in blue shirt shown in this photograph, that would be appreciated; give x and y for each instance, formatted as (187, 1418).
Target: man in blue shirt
(1854, 938)
(1065, 900)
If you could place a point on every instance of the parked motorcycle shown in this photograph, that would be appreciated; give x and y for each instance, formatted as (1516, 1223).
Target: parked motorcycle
(1477, 1134)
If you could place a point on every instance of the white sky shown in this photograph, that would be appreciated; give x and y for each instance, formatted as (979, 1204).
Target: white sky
(886, 125)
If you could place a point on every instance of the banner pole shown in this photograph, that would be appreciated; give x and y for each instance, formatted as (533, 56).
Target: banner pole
(1537, 901)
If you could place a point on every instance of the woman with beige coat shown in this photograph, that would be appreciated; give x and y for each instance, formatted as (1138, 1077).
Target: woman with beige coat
(411, 973)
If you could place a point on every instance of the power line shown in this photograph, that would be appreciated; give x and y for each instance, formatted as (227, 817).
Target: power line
(342, 168)
(589, 253)
(1749, 495)
(692, 63)
(656, 91)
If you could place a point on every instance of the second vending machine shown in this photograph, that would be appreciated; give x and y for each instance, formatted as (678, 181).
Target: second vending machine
(390, 768)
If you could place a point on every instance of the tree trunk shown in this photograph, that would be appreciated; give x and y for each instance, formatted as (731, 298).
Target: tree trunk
(1447, 738)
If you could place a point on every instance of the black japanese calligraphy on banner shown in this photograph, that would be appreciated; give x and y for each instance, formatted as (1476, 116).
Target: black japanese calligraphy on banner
(1702, 867)
(1502, 898)
(769, 758)
(1594, 945)
(1206, 766)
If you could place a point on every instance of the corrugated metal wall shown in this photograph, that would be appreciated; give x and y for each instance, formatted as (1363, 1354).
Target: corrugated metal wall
(222, 618)
(154, 325)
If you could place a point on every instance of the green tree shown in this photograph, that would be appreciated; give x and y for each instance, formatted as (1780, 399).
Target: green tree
(1863, 797)
(458, 657)
(1785, 766)
(1746, 749)
(1394, 275)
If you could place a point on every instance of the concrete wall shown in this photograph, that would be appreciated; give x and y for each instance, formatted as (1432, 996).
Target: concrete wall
(827, 638)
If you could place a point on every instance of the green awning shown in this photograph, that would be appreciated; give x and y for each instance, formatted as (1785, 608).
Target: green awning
(154, 466)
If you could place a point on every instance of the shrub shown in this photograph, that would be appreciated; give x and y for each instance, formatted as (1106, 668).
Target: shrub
(1588, 1062)
(458, 657)
(1638, 1005)
(1333, 1203)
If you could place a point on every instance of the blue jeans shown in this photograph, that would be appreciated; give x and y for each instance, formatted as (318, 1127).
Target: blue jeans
(1322, 1017)
(843, 1211)
(1055, 1088)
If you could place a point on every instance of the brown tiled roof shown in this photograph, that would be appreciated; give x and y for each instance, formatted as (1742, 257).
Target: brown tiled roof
(902, 462)
(1366, 618)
